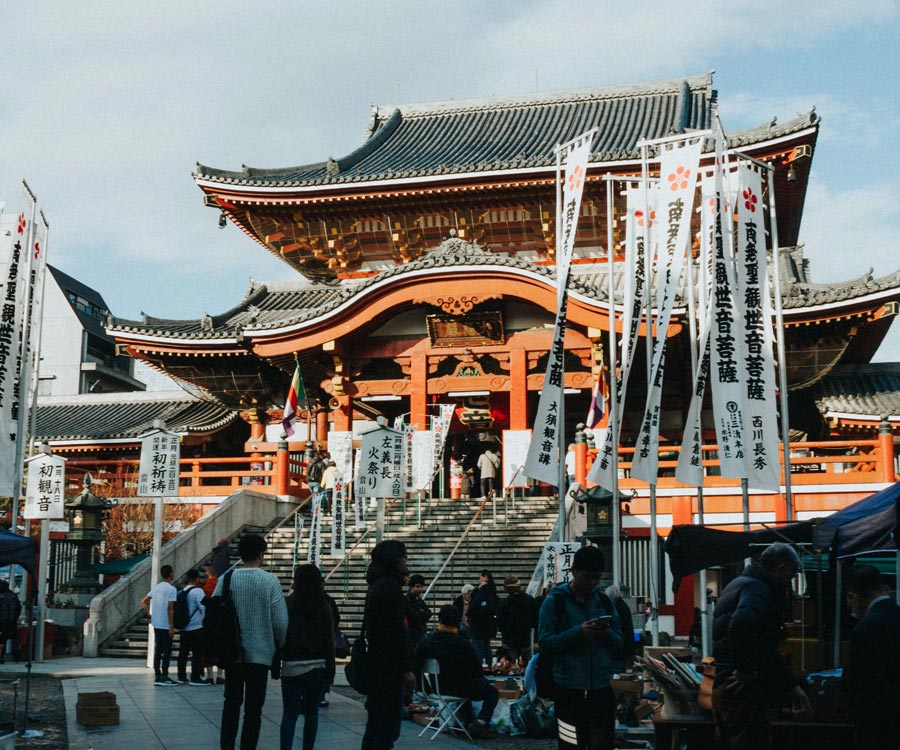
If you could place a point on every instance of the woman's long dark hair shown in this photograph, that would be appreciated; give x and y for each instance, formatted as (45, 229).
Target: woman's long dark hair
(308, 588)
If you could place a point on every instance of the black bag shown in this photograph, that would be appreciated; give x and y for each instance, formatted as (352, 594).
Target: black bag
(357, 668)
(181, 614)
(223, 629)
(341, 644)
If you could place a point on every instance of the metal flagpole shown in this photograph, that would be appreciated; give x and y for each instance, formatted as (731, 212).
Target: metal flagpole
(782, 359)
(613, 406)
(695, 357)
(560, 296)
(648, 331)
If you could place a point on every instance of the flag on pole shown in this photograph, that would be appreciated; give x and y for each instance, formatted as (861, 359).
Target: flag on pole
(597, 410)
(296, 395)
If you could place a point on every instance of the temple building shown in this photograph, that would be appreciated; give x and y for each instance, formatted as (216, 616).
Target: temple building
(425, 269)
(425, 265)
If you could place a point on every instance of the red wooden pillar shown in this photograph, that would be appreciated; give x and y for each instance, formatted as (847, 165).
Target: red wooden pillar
(418, 396)
(321, 426)
(518, 389)
(281, 468)
(885, 451)
(343, 418)
(683, 513)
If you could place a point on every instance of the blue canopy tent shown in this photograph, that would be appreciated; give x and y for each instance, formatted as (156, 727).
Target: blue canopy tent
(868, 526)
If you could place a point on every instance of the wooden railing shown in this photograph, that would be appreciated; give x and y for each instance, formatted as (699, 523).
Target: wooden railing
(269, 473)
(821, 462)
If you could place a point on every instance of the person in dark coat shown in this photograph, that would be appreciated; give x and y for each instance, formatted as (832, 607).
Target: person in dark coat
(10, 609)
(390, 657)
(221, 557)
(482, 616)
(516, 618)
(417, 611)
(308, 656)
(626, 656)
(461, 673)
(750, 674)
(873, 676)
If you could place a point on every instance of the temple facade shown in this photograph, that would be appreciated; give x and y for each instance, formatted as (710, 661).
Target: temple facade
(425, 265)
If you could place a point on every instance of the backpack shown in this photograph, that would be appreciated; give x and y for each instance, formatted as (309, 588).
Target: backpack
(543, 671)
(222, 628)
(182, 615)
(315, 471)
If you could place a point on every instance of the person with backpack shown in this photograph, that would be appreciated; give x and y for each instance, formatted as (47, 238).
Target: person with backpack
(579, 631)
(10, 609)
(221, 557)
(209, 588)
(188, 620)
(308, 658)
(262, 620)
(314, 471)
(516, 618)
(160, 605)
(482, 614)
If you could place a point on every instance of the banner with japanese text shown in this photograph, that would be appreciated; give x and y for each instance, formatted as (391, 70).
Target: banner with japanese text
(314, 546)
(11, 314)
(359, 497)
(638, 230)
(726, 344)
(382, 467)
(441, 427)
(45, 487)
(678, 178)
(338, 516)
(159, 468)
(763, 472)
(340, 446)
(408, 431)
(515, 450)
(557, 559)
(690, 459)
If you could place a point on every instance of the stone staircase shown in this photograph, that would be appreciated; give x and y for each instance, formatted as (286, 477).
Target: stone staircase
(507, 546)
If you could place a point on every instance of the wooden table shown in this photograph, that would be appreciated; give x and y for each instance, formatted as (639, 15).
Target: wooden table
(698, 733)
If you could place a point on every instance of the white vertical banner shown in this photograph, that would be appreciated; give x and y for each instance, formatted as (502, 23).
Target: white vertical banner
(359, 498)
(558, 557)
(338, 516)
(409, 431)
(314, 546)
(423, 452)
(726, 346)
(11, 313)
(441, 427)
(159, 467)
(678, 179)
(690, 460)
(759, 362)
(340, 446)
(45, 487)
(542, 462)
(637, 231)
(515, 449)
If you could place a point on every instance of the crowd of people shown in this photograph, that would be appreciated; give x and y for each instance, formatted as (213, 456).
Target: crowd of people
(583, 632)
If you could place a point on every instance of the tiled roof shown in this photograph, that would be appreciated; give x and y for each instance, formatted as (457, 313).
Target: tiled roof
(485, 135)
(269, 306)
(871, 390)
(125, 415)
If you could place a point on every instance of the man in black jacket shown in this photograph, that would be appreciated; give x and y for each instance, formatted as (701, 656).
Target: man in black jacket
(390, 658)
(418, 613)
(873, 677)
(516, 617)
(750, 673)
(461, 673)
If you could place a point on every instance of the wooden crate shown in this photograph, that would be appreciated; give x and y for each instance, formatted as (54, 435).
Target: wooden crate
(97, 709)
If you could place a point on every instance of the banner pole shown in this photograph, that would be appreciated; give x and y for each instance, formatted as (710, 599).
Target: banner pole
(782, 358)
(613, 415)
(648, 334)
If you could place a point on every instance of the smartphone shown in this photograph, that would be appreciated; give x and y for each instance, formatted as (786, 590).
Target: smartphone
(604, 618)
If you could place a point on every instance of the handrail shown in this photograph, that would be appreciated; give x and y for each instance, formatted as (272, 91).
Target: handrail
(359, 541)
(459, 541)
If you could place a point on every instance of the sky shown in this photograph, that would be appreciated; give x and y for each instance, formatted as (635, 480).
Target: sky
(107, 107)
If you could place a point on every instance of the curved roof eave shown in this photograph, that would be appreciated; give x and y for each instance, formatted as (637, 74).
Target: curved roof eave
(234, 187)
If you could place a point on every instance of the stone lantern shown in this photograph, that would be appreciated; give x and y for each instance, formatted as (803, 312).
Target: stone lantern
(85, 513)
(597, 504)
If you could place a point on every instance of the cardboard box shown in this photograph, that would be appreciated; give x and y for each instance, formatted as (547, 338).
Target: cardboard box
(509, 695)
(682, 653)
(625, 687)
(97, 709)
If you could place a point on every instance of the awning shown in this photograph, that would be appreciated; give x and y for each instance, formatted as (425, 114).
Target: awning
(118, 567)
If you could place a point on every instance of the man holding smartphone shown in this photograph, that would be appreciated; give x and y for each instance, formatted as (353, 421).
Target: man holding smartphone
(580, 630)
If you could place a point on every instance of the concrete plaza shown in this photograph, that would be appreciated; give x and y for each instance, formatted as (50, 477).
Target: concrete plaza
(182, 717)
